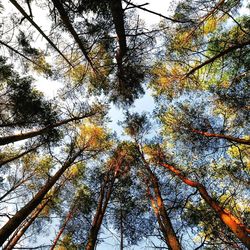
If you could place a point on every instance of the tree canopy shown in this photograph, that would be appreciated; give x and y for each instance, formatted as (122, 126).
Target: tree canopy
(176, 177)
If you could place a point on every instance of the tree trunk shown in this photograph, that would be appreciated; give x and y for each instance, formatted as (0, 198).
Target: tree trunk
(31, 134)
(232, 222)
(101, 208)
(13, 241)
(65, 19)
(121, 229)
(118, 19)
(68, 218)
(22, 214)
(22, 11)
(97, 221)
(221, 136)
(160, 210)
(162, 216)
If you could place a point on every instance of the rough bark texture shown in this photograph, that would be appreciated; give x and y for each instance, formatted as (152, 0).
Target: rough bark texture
(232, 222)
(105, 194)
(161, 214)
(159, 208)
(13, 241)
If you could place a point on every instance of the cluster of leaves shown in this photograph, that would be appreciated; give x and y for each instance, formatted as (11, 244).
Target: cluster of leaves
(140, 188)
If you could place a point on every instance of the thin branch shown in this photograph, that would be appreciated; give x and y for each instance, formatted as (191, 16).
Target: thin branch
(158, 14)
(22, 11)
(65, 19)
(222, 53)
(22, 55)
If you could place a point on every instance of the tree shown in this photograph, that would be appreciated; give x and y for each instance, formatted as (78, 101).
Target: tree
(177, 178)
(136, 125)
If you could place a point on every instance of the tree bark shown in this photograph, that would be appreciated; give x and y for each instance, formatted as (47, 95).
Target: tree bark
(19, 137)
(65, 19)
(19, 233)
(13, 241)
(232, 222)
(118, 19)
(221, 136)
(68, 218)
(160, 209)
(161, 214)
(22, 214)
(102, 206)
(97, 221)
(121, 229)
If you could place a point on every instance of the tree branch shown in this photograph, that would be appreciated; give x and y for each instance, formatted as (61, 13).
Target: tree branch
(222, 53)
(22, 11)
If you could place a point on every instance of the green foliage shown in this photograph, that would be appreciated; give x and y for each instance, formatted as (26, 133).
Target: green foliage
(200, 81)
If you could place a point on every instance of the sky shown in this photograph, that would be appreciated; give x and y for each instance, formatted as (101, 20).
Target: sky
(146, 103)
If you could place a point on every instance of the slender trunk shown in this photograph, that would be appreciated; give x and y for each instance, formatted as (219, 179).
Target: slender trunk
(97, 221)
(160, 209)
(22, 214)
(22, 11)
(68, 218)
(221, 136)
(121, 229)
(5, 161)
(118, 19)
(13, 241)
(31, 134)
(65, 19)
(23, 228)
(96, 224)
(162, 216)
(232, 222)
(101, 208)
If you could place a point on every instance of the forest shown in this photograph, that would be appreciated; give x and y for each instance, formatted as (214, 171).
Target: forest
(171, 174)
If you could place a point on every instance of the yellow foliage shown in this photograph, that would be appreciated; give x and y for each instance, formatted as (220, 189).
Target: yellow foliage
(77, 73)
(181, 38)
(210, 25)
(93, 137)
(42, 66)
(101, 61)
(241, 151)
(168, 80)
(152, 152)
(75, 170)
